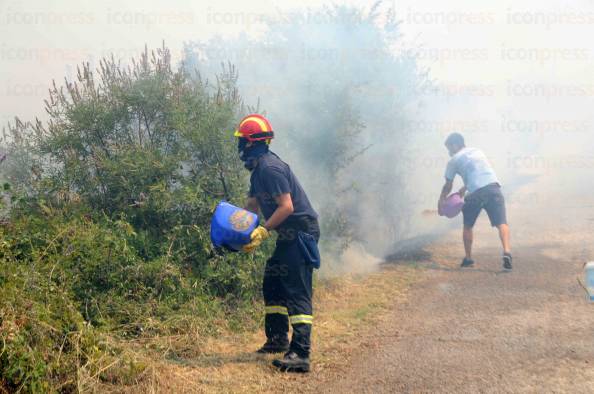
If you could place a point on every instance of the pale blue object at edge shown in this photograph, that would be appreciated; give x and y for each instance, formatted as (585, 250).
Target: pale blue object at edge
(589, 271)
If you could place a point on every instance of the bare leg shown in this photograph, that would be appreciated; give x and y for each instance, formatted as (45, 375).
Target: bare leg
(504, 236)
(467, 237)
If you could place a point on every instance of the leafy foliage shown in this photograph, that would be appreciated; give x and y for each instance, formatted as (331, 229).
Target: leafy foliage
(105, 233)
(109, 226)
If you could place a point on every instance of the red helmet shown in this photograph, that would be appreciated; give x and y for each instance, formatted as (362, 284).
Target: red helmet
(255, 127)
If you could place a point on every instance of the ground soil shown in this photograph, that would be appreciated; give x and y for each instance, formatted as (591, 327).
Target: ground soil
(424, 325)
(485, 330)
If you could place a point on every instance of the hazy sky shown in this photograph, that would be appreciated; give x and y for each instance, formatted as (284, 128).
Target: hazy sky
(464, 41)
(514, 65)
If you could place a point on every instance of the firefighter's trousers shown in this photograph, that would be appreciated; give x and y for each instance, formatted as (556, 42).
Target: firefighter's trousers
(287, 292)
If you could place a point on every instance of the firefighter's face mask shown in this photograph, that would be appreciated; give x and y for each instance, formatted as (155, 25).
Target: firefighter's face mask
(250, 152)
(242, 144)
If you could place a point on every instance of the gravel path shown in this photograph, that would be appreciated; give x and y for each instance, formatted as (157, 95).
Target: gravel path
(485, 330)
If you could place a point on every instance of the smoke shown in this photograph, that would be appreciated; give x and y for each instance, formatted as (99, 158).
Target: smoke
(515, 79)
(361, 111)
(341, 98)
(355, 259)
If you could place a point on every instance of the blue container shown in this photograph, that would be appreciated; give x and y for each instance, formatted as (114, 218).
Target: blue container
(231, 226)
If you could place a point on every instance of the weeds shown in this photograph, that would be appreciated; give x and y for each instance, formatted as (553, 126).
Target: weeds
(106, 239)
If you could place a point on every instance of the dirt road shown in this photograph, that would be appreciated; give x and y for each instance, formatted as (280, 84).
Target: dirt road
(484, 330)
(437, 328)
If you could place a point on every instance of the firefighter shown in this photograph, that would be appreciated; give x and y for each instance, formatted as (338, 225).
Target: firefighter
(287, 286)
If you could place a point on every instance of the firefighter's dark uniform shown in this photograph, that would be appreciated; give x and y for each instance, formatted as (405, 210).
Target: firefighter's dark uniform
(287, 283)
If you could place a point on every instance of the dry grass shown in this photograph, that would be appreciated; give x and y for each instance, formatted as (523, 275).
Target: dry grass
(345, 311)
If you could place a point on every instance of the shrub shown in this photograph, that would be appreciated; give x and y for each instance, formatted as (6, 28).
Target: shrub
(108, 232)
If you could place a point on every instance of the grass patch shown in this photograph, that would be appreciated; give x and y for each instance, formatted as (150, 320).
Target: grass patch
(345, 310)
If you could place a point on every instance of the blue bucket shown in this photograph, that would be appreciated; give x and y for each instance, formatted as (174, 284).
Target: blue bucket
(231, 226)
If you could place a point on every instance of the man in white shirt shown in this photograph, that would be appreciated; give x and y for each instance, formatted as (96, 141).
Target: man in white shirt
(484, 192)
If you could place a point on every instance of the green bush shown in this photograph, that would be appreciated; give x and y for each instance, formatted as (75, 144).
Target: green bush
(105, 235)
(108, 232)
(44, 336)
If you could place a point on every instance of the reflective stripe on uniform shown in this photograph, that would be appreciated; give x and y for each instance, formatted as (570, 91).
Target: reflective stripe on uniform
(301, 319)
(276, 309)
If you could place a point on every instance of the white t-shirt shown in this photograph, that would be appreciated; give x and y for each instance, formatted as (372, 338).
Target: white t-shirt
(474, 168)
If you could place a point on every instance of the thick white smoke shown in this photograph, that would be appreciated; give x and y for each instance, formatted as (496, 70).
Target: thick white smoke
(342, 100)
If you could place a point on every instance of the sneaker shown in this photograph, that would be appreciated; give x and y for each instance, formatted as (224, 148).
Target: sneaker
(274, 346)
(292, 362)
(507, 261)
(467, 263)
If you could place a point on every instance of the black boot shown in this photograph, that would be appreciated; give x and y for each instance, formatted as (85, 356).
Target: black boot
(467, 263)
(275, 345)
(507, 261)
(292, 363)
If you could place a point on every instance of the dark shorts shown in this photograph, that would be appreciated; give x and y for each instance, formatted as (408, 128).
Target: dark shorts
(488, 198)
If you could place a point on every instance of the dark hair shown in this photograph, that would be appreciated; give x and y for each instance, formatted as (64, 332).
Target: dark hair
(455, 139)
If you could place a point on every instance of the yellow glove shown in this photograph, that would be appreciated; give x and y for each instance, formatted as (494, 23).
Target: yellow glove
(257, 236)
